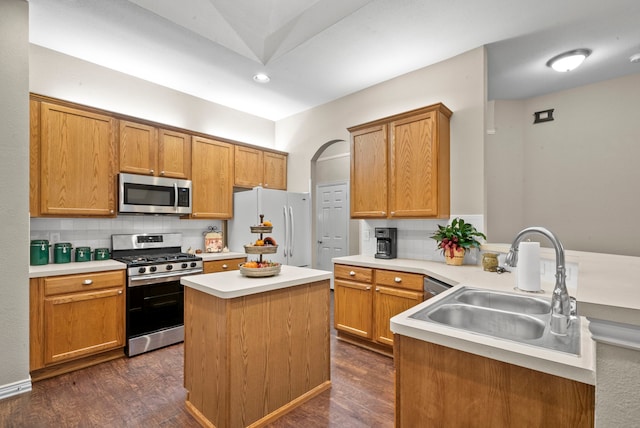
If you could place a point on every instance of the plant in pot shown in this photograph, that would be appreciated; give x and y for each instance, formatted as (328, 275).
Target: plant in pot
(455, 239)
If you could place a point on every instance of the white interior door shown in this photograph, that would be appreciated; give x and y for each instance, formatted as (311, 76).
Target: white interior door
(332, 225)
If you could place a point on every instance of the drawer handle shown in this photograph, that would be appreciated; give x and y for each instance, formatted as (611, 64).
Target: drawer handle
(225, 266)
(352, 273)
(397, 279)
(87, 282)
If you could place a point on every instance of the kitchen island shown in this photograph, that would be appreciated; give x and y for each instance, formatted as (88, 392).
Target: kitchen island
(255, 348)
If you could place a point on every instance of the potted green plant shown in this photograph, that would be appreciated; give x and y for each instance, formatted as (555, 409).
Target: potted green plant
(455, 239)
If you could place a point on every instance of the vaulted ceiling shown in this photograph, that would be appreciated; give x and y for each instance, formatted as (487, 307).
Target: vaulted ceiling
(316, 51)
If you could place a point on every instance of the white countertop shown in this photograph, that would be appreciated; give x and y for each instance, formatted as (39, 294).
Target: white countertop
(75, 267)
(208, 257)
(580, 368)
(231, 284)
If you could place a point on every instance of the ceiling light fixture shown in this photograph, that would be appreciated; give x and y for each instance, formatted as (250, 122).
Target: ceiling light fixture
(569, 60)
(261, 78)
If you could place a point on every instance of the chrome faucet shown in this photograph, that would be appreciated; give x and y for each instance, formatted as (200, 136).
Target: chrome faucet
(560, 301)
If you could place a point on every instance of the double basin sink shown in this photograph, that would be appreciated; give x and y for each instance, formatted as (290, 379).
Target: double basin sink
(509, 316)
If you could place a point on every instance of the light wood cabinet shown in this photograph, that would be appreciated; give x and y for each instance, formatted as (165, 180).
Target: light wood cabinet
(212, 176)
(255, 167)
(213, 266)
(448, 387)
(75, 320)
(73, 160)
(400, 165)
(365, 299)
(148, 150)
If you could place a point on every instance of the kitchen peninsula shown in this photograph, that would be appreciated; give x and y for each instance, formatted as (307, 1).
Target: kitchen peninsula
(255, 348)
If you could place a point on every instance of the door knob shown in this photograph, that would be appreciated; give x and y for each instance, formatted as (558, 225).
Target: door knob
(319, 242)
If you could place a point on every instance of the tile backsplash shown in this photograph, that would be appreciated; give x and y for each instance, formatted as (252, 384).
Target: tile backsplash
(96, 233)
(414, 237)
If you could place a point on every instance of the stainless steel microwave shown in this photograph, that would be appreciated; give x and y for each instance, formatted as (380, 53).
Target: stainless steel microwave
(142, 194)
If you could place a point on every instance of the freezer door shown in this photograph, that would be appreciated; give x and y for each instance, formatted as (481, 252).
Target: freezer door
(299, 247)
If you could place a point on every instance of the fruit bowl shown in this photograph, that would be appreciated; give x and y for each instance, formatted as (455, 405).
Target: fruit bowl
(260, 249)
(261, 271)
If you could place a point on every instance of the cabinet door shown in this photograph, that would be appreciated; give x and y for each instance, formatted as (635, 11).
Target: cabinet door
(138, 148)
(353, 308)
(248, 167)
(77, 162)
(81, 324)
(222, 265)
(388, 302)
(275, 171)
(413, 190)
(174, 154)
(369, 172)
(34, 158)
(212, 176)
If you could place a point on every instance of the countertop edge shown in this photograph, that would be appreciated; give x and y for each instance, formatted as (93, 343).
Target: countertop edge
(75, 268)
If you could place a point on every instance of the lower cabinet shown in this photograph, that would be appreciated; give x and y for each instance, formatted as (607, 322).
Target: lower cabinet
(365, 299)
(75, 321)
(213, 266)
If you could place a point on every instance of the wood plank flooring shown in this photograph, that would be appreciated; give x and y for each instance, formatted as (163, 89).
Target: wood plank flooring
(147, 391)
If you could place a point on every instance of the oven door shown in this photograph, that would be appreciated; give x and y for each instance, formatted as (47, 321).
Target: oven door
(155, 313)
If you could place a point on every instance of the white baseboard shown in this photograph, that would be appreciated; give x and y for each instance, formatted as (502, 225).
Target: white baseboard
(15, 388)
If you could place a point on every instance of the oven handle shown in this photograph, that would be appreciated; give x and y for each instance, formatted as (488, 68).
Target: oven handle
(136, 281)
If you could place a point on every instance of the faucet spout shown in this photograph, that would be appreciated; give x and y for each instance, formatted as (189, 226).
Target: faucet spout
(560, 300)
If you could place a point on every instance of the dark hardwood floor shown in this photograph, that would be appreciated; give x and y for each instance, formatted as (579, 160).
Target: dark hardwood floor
(147, 391)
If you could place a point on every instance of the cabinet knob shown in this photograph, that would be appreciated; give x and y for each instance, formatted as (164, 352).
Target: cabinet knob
(397, 279)
(393, 213)
(352, 273)
(119, 291)
(161, 172)
(378, 289)
(368, 287)
(151, 171)
(383, 212)
(225, 266)
(110, 211)
(87, 282)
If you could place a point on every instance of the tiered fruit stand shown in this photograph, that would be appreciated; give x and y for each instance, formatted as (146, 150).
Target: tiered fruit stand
(260, 250)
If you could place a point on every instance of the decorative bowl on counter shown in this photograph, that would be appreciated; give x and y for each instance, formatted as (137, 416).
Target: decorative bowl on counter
(260, 249)
(261, 271)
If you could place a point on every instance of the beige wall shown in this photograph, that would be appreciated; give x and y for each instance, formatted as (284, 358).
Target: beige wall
(617, 386)
(457, 82)
(577, 175)
(14, 197)
(62, 76)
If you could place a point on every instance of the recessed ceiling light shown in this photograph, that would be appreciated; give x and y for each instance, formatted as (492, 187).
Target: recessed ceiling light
(261, 78)
(569, 60)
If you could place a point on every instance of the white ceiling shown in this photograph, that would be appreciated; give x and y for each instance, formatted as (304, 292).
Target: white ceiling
(316, 51)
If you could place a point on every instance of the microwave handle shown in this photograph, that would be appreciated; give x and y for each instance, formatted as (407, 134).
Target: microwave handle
(175, 195)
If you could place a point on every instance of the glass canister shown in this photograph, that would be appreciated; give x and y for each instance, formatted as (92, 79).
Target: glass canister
(62, 252)
(39, 252)
(490, 262)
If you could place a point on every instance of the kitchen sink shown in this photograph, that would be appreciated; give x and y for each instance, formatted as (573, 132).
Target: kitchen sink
(508, 316)
(504, 301)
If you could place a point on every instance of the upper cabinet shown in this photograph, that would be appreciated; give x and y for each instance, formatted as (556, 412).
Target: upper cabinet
(73, 161)
(400, 165)
(148, 150)
(212, 176)
(255, 167)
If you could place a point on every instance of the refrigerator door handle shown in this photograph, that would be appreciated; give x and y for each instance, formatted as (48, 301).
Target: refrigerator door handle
(286, 231)
(292, 234)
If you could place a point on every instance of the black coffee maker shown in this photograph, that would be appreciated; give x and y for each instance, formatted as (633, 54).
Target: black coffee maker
(387, 245)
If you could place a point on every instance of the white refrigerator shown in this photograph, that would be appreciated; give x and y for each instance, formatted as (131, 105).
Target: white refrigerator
(290, 214)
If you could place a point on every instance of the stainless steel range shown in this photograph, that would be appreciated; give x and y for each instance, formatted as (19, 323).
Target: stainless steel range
(155, 297)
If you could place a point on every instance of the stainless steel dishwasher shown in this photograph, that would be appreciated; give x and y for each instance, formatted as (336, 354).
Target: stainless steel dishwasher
(434, 286)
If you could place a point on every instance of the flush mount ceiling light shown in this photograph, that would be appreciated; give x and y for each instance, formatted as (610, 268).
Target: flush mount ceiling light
(569, 60)
(261, 78)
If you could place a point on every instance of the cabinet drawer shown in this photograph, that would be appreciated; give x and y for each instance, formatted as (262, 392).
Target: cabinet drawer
(410, 281)
(353, 273)
(222, 265)
(83, 282)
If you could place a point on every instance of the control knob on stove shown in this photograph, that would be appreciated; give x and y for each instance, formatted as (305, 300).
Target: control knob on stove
(153, 268)
(169, 267)
(184, 265)
(142, 270)
(193, 264)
